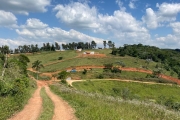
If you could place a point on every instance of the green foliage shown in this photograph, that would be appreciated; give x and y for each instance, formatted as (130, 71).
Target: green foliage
(60, 58)
(166, 95)
(115, 70)
(48, 107)
(169, 58)
(12, 103)
(37, 66)
(100, 76)
(63, 75)
(94, 106)
(84, 72)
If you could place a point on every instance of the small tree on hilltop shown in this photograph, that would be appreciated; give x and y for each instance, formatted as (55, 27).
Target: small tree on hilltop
(37, 66)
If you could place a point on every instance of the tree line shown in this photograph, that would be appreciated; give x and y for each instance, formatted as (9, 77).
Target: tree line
(53, 47)
(169, 58)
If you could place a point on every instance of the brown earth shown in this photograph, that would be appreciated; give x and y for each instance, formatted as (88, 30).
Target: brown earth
(33, 109)
(79, 68)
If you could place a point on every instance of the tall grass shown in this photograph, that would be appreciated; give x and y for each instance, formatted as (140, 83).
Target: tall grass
(94, 106)
(144, 91)
(10, 104)
(48, 107)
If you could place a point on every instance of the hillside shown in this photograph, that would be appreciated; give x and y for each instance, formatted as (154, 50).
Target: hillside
(132, 91)
(72, 59)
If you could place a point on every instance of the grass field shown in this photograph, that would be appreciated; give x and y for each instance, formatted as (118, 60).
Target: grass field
(47, 57)
(143, 91)
(48, 107)
(11, 104)
(69, 60)
(95, 106)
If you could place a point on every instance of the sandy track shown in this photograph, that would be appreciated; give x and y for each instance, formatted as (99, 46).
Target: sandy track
(62, 110)
(32, 110)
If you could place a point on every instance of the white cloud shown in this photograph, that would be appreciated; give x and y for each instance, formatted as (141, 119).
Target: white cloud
(150, 19)
(33, 23)
(78, 15)
(121, 26)
(132, 4)
(24, 6)
(7, 19)
(170, 40)
(120, 4)
(35, 30)
(166, 13)
(176, 27)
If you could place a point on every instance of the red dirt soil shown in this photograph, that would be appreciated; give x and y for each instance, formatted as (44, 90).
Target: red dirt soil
(33, 109)
(79, 68)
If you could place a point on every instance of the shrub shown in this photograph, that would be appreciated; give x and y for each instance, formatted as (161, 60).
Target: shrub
(84, 72)
(115, 70)
(100, 76)
(60, 58)
(125, 93)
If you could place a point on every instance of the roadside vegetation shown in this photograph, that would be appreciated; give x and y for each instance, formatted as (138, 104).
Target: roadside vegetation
(48, 107)
(98, 106)
(15, 86)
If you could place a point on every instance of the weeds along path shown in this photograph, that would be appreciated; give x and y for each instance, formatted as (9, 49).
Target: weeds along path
(32, 110)
(62, 110)
(151, 83)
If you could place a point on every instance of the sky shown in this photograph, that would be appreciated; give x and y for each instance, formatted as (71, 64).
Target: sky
(149, 22)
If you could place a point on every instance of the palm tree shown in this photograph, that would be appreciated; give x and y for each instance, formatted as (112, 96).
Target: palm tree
(37, 66)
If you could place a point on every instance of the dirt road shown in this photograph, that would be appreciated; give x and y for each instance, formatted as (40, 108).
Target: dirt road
(33, 109)
(62, 110)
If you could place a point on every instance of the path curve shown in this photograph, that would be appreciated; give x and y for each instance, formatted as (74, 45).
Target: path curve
(32, 110)
(62, 110)
(122, 68)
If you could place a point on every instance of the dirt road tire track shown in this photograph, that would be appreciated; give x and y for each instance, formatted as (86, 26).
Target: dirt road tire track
(62, 110)
(32, 110)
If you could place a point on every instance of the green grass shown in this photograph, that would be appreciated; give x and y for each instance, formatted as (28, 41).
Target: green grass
(95, 61)
(9, 104)
(144, 91)
(94, 106)
(48, 107)
(40, 77)
(47, 57)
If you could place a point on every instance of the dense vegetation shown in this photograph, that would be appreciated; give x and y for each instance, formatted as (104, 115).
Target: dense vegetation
(166, 95)
(14, 84)
(97, 106)
(167, 58)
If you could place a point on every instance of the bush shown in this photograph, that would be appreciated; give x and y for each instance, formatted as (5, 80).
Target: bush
(84, 72)
(63, 81)
(60, 58)
(125, 93)
(115, 70)
(100, 76)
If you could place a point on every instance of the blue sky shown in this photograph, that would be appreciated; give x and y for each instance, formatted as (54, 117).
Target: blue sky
(148, 22)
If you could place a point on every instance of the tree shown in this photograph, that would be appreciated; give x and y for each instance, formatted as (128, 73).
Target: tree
(104, 43)
(93, 44)
(57, 46)
(22, 62)
(37, 66)
(63, 75)
(110, 44)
